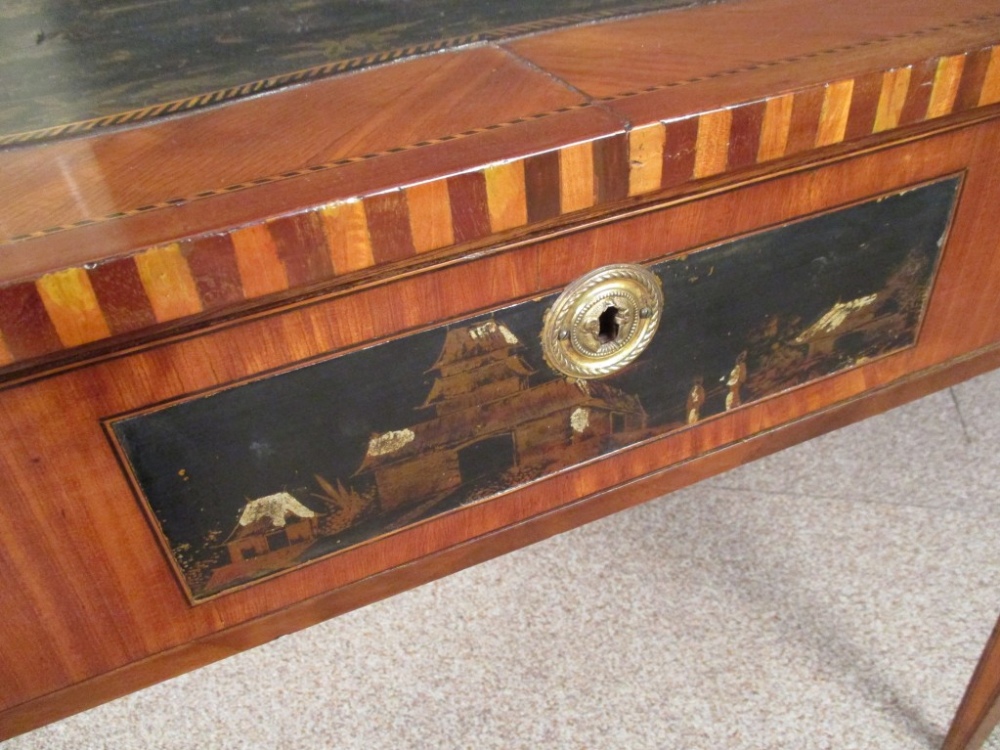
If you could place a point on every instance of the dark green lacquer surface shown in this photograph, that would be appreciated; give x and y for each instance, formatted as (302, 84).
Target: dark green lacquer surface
(63, 61)
(336, 453)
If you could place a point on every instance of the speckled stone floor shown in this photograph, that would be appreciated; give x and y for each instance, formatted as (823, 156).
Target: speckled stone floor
(836, 595)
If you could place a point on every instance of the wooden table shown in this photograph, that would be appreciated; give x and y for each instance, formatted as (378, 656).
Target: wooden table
(271, 343)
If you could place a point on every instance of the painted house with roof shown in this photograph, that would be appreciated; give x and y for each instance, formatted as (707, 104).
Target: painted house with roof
(487, 418)
(271, 524)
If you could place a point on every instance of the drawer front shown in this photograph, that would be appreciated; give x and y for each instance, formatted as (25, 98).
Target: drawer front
(265, 476)
(216, 489)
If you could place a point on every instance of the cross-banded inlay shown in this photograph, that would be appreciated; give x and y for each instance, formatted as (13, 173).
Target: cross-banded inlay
(206, 273)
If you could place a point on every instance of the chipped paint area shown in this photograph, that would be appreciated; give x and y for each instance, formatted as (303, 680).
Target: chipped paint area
(275, 508)
(490, 328)
(509, 337)
(835, 317)
(579, 420)
(390, 442)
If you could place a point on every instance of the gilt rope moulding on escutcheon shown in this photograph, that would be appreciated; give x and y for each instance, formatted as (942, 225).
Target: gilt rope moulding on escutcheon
(602, 321)
(267, 475)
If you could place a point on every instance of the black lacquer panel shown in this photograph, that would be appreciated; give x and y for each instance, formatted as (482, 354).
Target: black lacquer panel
(63, 61)
(264, 476)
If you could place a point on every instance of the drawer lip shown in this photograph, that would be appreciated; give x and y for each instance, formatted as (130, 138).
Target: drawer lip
(17, 372)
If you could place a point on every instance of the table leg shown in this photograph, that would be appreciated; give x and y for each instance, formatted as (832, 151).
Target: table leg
(979, 712)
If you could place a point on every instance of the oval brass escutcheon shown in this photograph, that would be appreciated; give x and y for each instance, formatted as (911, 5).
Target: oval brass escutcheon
(602, 321)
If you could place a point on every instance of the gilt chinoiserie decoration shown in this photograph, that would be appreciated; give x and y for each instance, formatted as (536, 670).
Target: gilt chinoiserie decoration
(264, 476)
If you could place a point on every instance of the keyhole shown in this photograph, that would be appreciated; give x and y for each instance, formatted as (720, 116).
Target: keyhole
(608, 325)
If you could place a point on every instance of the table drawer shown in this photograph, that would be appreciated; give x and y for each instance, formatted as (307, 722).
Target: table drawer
(265, 476)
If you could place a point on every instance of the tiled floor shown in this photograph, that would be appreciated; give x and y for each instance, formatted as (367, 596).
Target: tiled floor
(835, 595)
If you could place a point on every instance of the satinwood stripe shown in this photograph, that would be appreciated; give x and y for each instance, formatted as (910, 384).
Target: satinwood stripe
(835, 112)
(892, 99)
(72, 307)
(712, 143)
(645, 157)
(505, 195)
(168, 282)
(576, 177)
(6, 358)
(775, 127)
(429, 209)
(945, 88)
(348, 240)
(991, 83)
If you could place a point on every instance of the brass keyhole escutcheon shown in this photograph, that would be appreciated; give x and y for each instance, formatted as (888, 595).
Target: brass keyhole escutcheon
(602, 321)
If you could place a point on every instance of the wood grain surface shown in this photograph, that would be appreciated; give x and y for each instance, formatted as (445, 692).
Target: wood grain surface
(93, 591)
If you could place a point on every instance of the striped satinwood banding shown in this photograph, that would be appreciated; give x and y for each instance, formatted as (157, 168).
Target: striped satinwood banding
(945, 89)
(543, 186)
(6, 357)
(429, 210)
(712, 143)
(25, 325)
(506, 195)
(347, 237)
(895, 85)
(775, 128)
(72, 306)
(281, 254)
(258, 265)
(836, 109)
(576, 177)
(990, 93)
(169, 284)
(645, 155)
